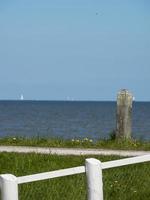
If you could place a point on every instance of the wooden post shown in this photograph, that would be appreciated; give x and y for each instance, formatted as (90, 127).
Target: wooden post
(94, 179)
(9, 187)
(124, 111)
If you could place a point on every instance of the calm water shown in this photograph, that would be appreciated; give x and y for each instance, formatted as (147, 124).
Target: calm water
(68, 119)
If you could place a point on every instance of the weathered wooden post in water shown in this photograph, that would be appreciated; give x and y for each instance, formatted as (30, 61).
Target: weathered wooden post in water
(124, 112)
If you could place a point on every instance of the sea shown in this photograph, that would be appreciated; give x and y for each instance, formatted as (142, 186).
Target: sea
(69, 119)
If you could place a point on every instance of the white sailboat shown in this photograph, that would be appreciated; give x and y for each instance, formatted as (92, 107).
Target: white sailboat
(21, 97)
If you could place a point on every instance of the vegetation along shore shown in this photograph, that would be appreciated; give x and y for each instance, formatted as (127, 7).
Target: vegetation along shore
(111, 143)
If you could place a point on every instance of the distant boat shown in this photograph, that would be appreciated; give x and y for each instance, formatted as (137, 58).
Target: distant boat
(21, 97)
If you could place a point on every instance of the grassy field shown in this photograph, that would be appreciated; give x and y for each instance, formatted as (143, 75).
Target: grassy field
(76, 143)
(124, 183)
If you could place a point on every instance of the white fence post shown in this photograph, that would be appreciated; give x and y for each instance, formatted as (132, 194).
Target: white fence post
(94, 179)
(9, 187)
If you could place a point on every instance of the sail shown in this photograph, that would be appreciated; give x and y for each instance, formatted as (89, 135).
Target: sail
(21, 97)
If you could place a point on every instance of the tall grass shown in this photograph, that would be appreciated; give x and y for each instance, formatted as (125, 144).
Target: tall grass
(76, 143)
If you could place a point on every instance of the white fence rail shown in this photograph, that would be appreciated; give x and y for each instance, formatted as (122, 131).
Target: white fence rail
(93, 169)
(50, 175)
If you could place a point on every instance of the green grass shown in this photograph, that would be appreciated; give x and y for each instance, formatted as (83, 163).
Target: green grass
(76, 143)
(124, 183)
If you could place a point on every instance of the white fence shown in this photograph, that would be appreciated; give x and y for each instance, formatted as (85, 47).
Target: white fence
(93, 169)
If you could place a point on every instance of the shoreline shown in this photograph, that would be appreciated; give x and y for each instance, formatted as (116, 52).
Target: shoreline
(86, 143)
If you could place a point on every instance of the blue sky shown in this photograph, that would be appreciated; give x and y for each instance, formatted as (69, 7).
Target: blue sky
(77, 49)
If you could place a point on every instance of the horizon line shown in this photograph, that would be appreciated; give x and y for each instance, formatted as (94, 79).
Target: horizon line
(64, 100)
